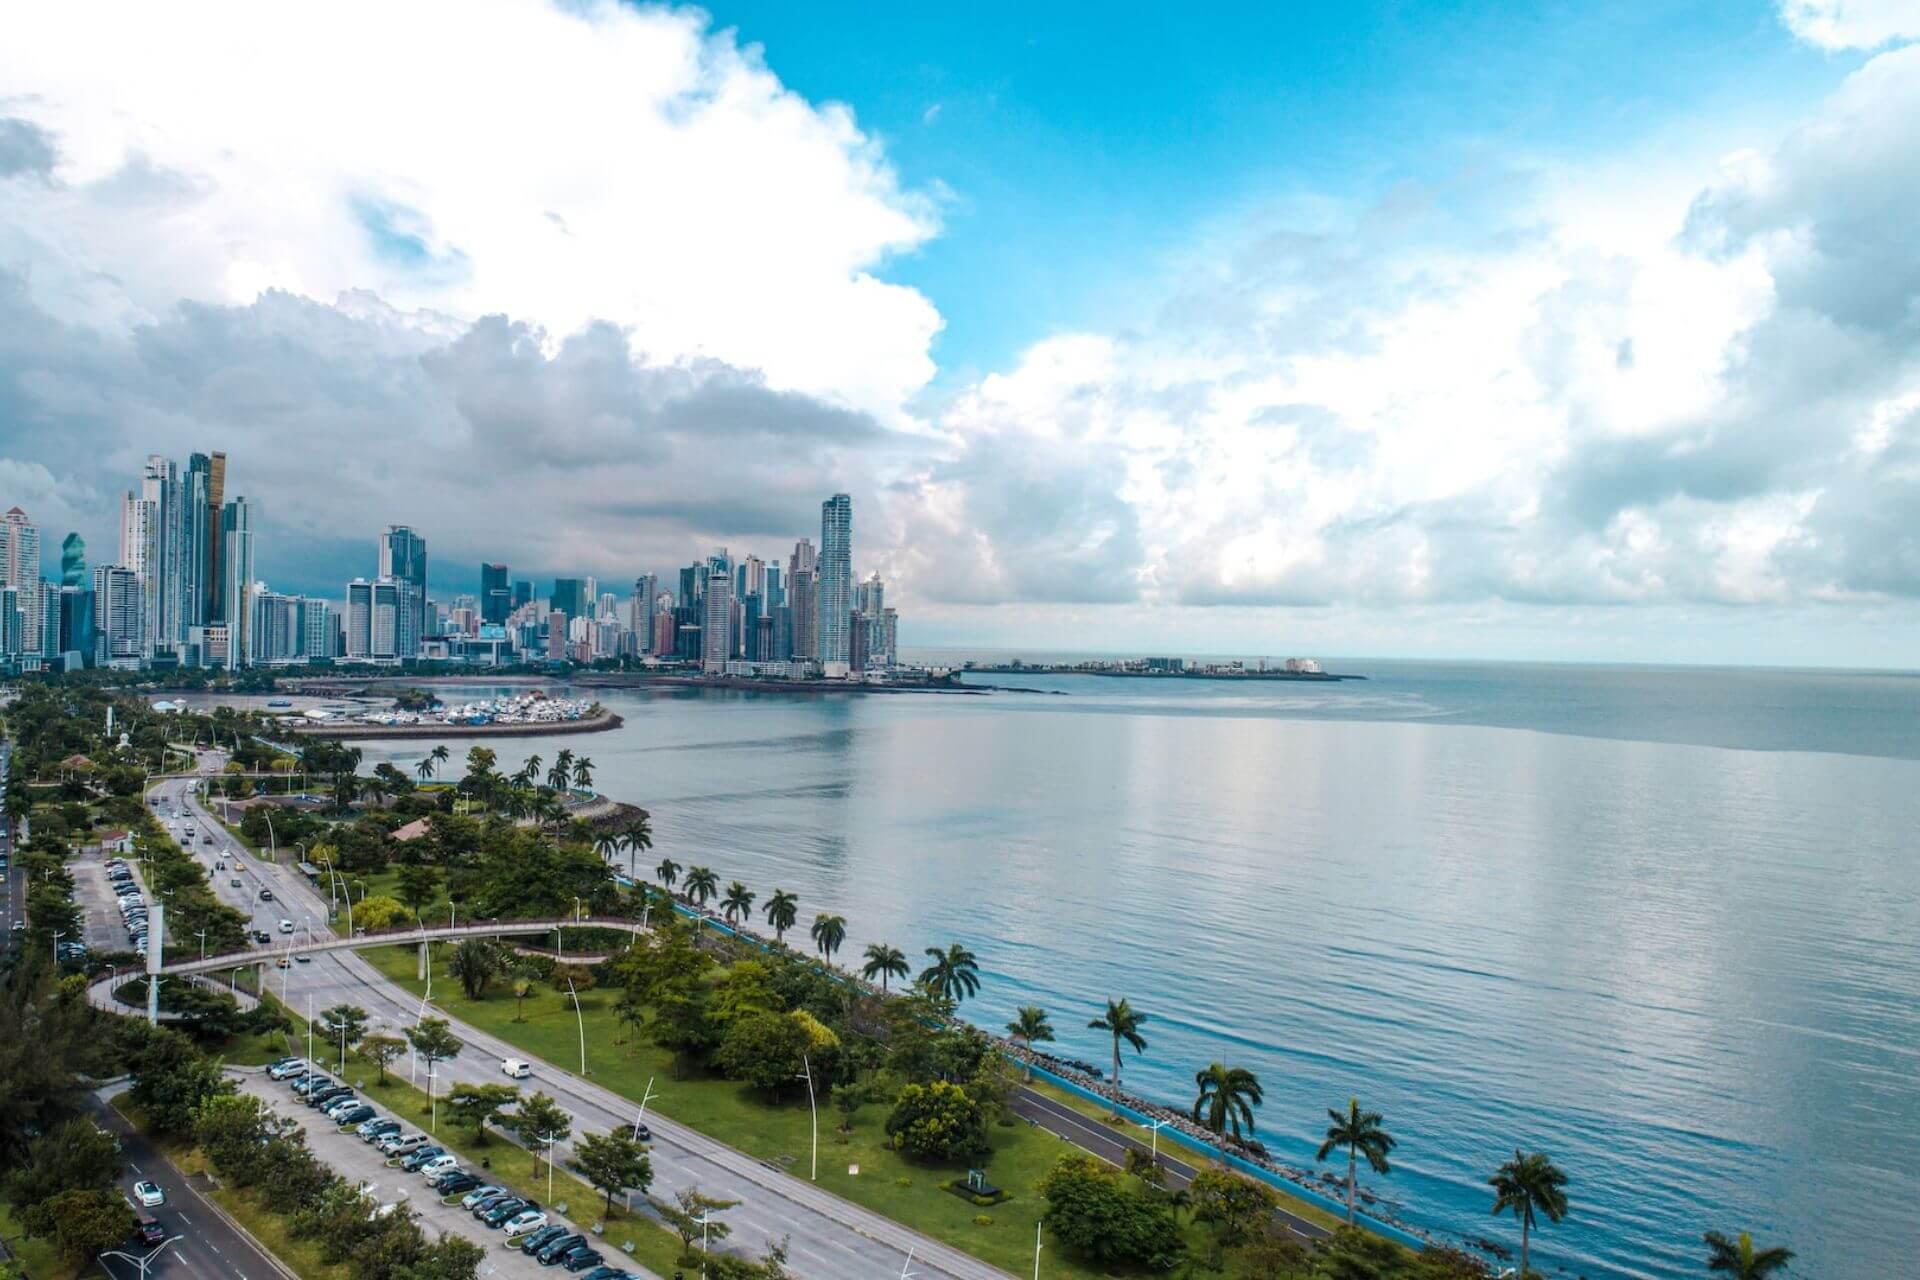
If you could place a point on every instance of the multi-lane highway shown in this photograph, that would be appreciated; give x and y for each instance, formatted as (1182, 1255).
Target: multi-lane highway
(829, 1238)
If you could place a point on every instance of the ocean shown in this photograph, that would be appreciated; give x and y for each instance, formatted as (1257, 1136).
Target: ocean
(1662, 924)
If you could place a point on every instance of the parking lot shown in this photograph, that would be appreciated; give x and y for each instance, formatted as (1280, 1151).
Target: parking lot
(102, 927)
(347, 1155)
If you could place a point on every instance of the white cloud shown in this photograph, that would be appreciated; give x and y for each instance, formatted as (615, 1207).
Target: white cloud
(560, 162)
(1852, 24)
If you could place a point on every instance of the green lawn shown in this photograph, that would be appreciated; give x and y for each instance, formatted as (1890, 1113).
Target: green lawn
(884, 1182)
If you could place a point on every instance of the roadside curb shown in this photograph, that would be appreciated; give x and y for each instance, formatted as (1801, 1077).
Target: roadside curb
(286, 1272)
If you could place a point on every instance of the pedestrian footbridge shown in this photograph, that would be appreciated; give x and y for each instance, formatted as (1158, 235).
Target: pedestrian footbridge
(400, 937)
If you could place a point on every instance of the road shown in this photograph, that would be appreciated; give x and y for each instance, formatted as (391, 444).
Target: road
(1112, 1144)
(207, 1246)
(829, 1238)
(13, 910)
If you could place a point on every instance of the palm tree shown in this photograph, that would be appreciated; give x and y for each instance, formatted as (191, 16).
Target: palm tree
(1739, 1259)
(738, 902)
(667, 872)
(606, 844)
(828, 933)
(1227, 1098)
(1360, 1133)
(439, 755)
(782, 910)
(638, 838)
(424, 768)
(1121, 1021)
(529, 770)
(885, 962)
(562, 771)
(1029, 1028)
(1528, 1184)
(953, 975)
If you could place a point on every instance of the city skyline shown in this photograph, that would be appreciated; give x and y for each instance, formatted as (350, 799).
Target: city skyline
(1322, 336)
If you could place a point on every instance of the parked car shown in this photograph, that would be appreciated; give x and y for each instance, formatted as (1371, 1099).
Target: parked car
(535, 1241)
(377, 1128)
(551, 1254)
(475, 1196)
(525, 1220)
(322, 1097)
(287, 1069)
(504, 1210)
(516, 1068)
(581, 1258)
(403, 1146)
(358, 1114)
(342, 1101)
(312, 1082)
(149, 1194)
(438, 1164)
(608, 1273)
(459, 1184)
(421, 1156)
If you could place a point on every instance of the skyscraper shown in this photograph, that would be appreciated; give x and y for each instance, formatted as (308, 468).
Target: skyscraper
(522, 592)
(213, 583)
(403, 558)
(201, 527)
(116, 610)
(803, 600)
(496, 598)
(20, 569)
(236, 563)
(163, 532)
(73, 561)
(570, 597)
(716, 632)
(316, 629)
(836, 586)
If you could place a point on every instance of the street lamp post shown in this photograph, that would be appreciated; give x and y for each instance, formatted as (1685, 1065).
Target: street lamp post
(1154, 1137)
(202, 934)
(309, 1028)
(1036, 1251)
(144, 1263)
(581, 1019)
(814, 1111)
(551, 1138)
(641, 1115)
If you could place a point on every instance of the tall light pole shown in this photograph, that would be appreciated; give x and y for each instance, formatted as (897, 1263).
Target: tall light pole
(309, 1028)
(1036, 1251)
(142, 1262)
(814, 1112)
(551, 1138)
(202, 934)
(1154, 1138)
(641, 1115)
(581, 1019)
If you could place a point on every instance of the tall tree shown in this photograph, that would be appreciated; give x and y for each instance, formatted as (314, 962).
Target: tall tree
(884, 961)
(1360, 1132)
(702, 884)
(583, 773)
(737, 903)
(954, 974)
(383, 1050)
(418, 885)
(540, 1121)
(529, 771)
(613, 1163)
(782, 909)
(1741, 1260)
(562, 771)
(828, 932)
(1529, 1184)
(1028, 1028)
(636, 839)
(424, 768)
(476, 962)
(1226, 1098)
(342, 1026)
(1122, 1021)
(439, 755)
(667, 873)
(433, 1040)
(472, 1105)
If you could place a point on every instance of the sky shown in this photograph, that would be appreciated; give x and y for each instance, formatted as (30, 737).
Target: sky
(1457, 330)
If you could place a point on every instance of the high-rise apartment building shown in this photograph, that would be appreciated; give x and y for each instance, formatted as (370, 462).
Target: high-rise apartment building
(236, 563)
(373, 619)
(116, 608)
(836, 586)
(716, 632)
(403, 560)
(570, 597)
(20, 569)
(276, 633)
(496, 597)
(316, 629)
(213, 582)
(12, 623)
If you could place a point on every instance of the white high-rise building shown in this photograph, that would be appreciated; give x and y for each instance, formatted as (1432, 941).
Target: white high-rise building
(373, 619)
(716, 630)
(836, 586)
(117, 612)
(20, 569)
(236, 565)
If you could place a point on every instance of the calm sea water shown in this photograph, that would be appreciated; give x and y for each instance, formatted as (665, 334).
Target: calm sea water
(1664, 925)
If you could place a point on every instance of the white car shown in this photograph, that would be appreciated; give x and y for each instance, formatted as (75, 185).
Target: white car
(437, 1165)
(149, 1195)
(286, 926)
(516, 1068)
(521, 1223)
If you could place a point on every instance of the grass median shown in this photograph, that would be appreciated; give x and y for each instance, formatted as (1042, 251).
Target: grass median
(860, 1166)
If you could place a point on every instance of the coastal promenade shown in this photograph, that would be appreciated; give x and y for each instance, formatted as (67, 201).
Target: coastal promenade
(600, 723)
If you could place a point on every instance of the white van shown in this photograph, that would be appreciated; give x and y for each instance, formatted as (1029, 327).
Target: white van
(517, 1069)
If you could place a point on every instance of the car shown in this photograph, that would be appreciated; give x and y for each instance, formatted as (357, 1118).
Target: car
(266, 895)
(149, 1194)
(303, 958)
(318, 1098)
(478, 1194)
(641, 1133)
(377, 1128)
(488, 1203)
(148, 1231)
(504, 1210)
(233, 882)
(608, 1273)
(206, 839)
(439, 1164)
(459, 1184)
(353, 1115)
(516, 1068)
(287, 1069)
(524, 1221)
(403, 1146)
(535, 1241)
(312, 1082)
(345, 1100)
(283, 963)
(421, 1156)
(219, 864)
(582, 1258)
(261, 935)
(551, 1253)
(286, 926)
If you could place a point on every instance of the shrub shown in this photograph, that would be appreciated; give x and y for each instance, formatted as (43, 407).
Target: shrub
(939, 1122)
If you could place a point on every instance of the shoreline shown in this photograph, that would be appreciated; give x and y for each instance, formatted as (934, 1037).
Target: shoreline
(1298, 677)
(588, 724)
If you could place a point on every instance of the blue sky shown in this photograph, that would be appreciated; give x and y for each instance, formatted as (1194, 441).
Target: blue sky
(1081, 153)
(1585, 331)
